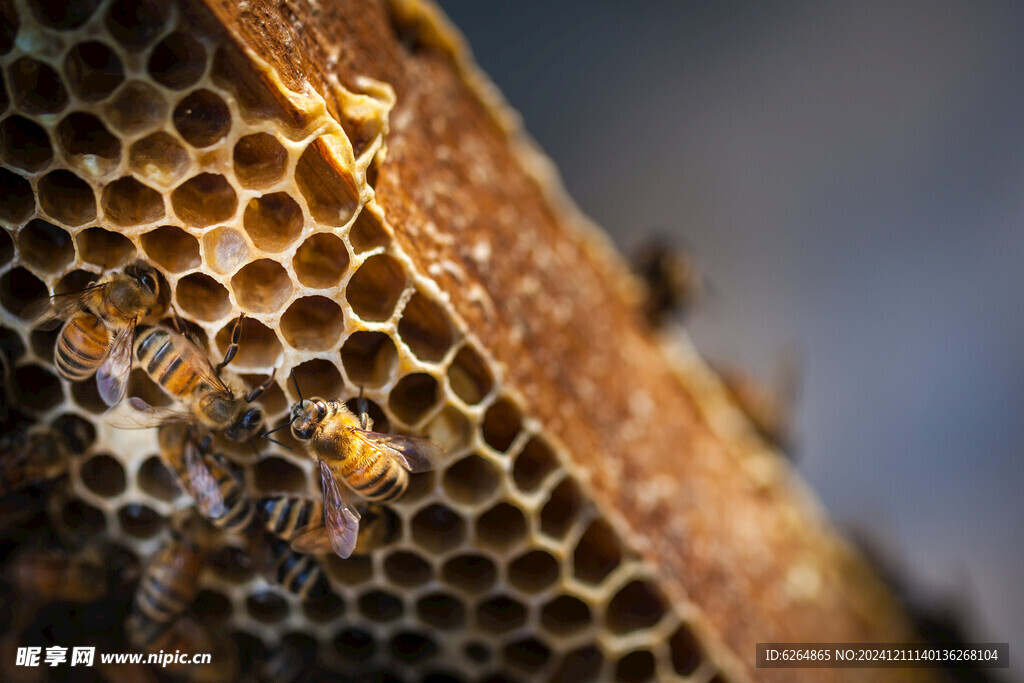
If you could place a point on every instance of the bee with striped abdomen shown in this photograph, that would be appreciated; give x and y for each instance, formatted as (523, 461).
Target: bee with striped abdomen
(99, 326)
(296, 572)
(167, 587)
(300, 521)
(51, 575)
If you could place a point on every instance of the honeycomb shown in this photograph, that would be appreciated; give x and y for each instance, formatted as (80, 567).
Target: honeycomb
(142, 129)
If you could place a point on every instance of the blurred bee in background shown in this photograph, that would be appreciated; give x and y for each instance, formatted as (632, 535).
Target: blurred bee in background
(674, 282)
(219, 496)
(300, 521)
(768, 407)
(376, 466)
(298, 573)
(49, 575)
(99, 326)
(32, 458)
(188, 637)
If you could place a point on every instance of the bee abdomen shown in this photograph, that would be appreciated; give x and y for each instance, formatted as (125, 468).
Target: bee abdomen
(381, 481)
(162, 600)
(81, 347)
(240, 509)
(300, 574)
(156, 353)
(286, 514)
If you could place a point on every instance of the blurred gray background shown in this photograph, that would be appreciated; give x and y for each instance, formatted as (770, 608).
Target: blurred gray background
(849, 175)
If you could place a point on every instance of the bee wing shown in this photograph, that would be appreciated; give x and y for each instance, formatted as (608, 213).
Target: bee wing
(415, 454)
(313, 541)
(112, 377)
(49, 312)
(202, 486)
(340, 518)
(144, 416)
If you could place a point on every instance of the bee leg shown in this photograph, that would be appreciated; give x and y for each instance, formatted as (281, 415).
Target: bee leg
(364, 415)
(236, 337)
(258, 391)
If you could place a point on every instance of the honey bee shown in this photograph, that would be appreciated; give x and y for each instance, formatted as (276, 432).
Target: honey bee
(167, 587)
(674, 283)
(31, 459)
(376, 466)
(298, 573)
(218, 495)
(54, 575)
(180, 366)
(769, 407)
(300, 521)
(99, 327)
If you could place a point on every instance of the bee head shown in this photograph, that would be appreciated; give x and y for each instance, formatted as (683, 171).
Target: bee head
(306, 415)
(246, 426)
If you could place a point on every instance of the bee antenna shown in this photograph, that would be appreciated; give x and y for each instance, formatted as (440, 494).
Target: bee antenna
(296, 382)
(266, 435)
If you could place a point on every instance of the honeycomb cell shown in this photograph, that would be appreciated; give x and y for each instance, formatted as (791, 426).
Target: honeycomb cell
(266, 606)
(78, 433)
(260, 160)
(565, 615)
(274, 475)
(376, 287)
(380, 606)
(16, 199)
(471, 480)
(502, 423)
(159, 158)
(411, 648)
(322, 610)
(156, 480)
(103, 475)
(469, 376)
(126, 201)
(533, 465)
(477, 652)
(93, 71)
(87, 396)
(177, 61)
(597, 554)
(204, 199)
(367, 233)
(470, 573)
(414, 397)
(258, 346)
(135, 23)
(139, 521)
(318, 377)
(313, 323)
(262, 286)
(421, 484)
(426, 328)
(36, 88)
(581, 664)
(273, 221)
(320, 261)
(172, 248)
(500, 614)
(8, 26)
(104, 248)
(528, 654)
(562, 509)
(406, 570)
(202, 297)
(437, 528)
(231, 564)
(75, 281)
(685, 650)
(501, 527)
(211, 606)
(636, 606)
(88, 145)
(63, 15)
(226, 250)
(136, 108)
(635, 667)
(140, 385)
(450, 429)
(36, 388)
(19, 288)
(329, 191)
(369, 358)
(202, 118)
(6, 247)
(354, 646)
(82, 519)
(24, 144)
(43, 342)
(533, 571)
(45, 246)
(67, 198)
(441, 611)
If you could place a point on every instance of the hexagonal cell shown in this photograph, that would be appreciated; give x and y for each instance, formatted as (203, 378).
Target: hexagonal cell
(258, 346)
(159, 158)
(502, 423)
(317, 377)
(140, 521)
(469, 376)
(410, 647)
(262, 286)
(637, 605)
(367, 233)
(426, 328)
(93, 70)
(25, 144)
(266, 606)
(36, 88)
(528, 654)
(103, 475)
(380, 606)
(421, 484)
(450, 429)
(75, 281)
(313, 323)
(273, 221)
(471, 480)
(136, 108)
(414, 397)
(202, 118)
(534, 571)
(63, 15)
(88, 145)
(406, 569)
(477, 652)
(376, 287)
(533, 465)
(686, 651)
(320, 261)
(135, 23)
(501, 527)
(562, 509)
(226, 249)
(470, 573)
(36, 388)
(204, 199)
(126, 201)
(177, 61)
(635, 667)
(104, 248)
(156, 480)
(565, 615)
(82, 519)
(326, 609)
(329, 190)
(172, 248)
(9, 24)
(45, 246)
(6, 247)
(597, 554)
(78, 432)
(354, 646)
(369, 358)
(581, 664)
(437, 528)
(67, 198)
(19, 288)
(87, 396)
(43, 342)
(351, 572)
(17, 201)
(260, 160)
(500, 614)
(231, 564)
(211, 606)
(441, 611)
(202, 297)
(275, 475)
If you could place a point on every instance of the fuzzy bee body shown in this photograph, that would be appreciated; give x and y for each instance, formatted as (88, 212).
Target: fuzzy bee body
(81, 347)
(288, 516)
(299, 574)
(170, 582)
(54, 575)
